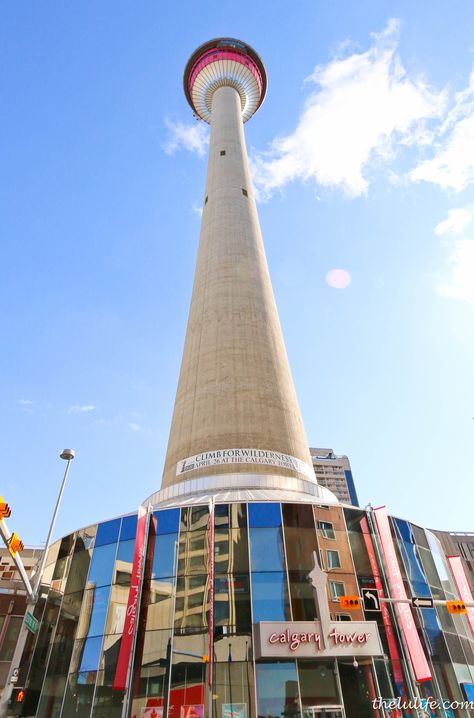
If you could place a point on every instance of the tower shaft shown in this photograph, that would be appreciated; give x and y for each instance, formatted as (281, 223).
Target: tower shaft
(235, 388)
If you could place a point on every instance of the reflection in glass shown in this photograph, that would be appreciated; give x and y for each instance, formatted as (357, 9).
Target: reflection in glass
(79, 568)
(300, 544)
(79, 694)
(167, 521)
(270, 597)
(264, 515)
(94, 611)
(187, 688)
(231, 551)
(102, 565)
(107, 702)
(164, 555)
(318, 683)
(107, 532)
(51, 697)
(194, 592)
(10, 638)
(194, 518)
(124, 563)
(233, 685)
(109, 658)
(90, 654)
(232, 602)
(302, 596)
(277, 690)
(230, 516)
(266, 549)
(193, 561)
(129, 528)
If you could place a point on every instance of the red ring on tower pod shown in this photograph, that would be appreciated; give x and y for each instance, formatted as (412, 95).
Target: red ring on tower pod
(224, 62)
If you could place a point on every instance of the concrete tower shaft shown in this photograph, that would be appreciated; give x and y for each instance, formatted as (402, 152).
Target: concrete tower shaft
(236, 409)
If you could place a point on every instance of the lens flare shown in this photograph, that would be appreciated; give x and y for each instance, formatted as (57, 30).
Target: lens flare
(338, 278)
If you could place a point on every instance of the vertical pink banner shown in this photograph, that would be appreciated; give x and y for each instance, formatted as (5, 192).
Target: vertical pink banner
(462, 585)
(397, 589)
(133, 605)
(211, 592)
(392, 644)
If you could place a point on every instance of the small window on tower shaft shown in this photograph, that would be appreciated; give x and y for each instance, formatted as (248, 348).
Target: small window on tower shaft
(244, 192)
(222, 153)
(205, 201)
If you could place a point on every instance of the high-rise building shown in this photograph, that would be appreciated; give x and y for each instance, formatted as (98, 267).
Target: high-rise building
(234, 592)
(335, 473)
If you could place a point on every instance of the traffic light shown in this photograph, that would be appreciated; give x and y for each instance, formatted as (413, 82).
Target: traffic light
(350, 603)
(205, 659)
(14, 544)
(5, 510)
(456, 607)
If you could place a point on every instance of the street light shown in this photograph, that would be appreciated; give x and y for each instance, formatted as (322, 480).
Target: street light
(32, 599)
(68, 455)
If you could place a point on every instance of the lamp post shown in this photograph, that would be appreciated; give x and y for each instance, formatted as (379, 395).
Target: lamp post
(32, 599)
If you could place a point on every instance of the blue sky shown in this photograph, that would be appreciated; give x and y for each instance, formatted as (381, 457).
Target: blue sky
(362, 156)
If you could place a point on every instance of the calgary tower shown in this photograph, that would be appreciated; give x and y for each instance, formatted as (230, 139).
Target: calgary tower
(236, 410)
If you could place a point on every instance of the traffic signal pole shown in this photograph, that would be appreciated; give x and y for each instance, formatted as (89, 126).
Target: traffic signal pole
(32, 594)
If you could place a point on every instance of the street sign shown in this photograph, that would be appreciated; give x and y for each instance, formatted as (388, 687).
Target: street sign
(31, 622)
(14, 676)
(371, 599)
(421, 602)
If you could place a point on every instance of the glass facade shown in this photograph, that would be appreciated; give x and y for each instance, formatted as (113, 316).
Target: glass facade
(194, 652)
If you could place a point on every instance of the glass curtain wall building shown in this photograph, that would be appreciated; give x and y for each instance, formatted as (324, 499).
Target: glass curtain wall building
(262, 555)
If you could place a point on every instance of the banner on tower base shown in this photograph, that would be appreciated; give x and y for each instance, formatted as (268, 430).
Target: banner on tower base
(244, 456)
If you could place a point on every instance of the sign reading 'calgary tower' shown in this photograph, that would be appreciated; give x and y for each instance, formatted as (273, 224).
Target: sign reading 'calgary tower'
(236, 410)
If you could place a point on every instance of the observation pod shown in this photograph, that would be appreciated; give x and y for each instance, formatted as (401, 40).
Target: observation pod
(236, 424)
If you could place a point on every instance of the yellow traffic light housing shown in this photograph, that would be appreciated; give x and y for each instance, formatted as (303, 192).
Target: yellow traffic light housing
(14, 544)
(350, 603)
(5, 510)
(456, 607)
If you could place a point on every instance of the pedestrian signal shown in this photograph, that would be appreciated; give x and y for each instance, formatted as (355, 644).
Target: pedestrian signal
(350, 603)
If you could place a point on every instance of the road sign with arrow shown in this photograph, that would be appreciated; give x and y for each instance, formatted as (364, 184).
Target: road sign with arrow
(420, 602)
(371, 599)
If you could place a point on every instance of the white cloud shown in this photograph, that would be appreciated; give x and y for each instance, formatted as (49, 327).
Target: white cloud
(134, 427)
(194, 138)
(455, 223)
(197, 209)
(452, 166)
(461, 265)
(25, 402)
(364, 106)
(80, 408)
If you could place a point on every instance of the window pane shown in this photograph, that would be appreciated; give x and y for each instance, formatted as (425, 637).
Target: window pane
(51, 697)
(337, 589)
(107, 532)
(10, 639)
(231, 551)
(326, 529)
(270, 597)
(302, 596)
(164, 556)
(194, 611)
(232, 602)
(107, 702)
(300, 544)
(277, 690)
(167, 521)
(333, 560)
(129, 528)
(79, 693)
(194, 518)
(233, 688)
(318, 683)
(90, 654)
(124, 562)
(94, 611)
(266, 549)
(102, 565)
(264, 515)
